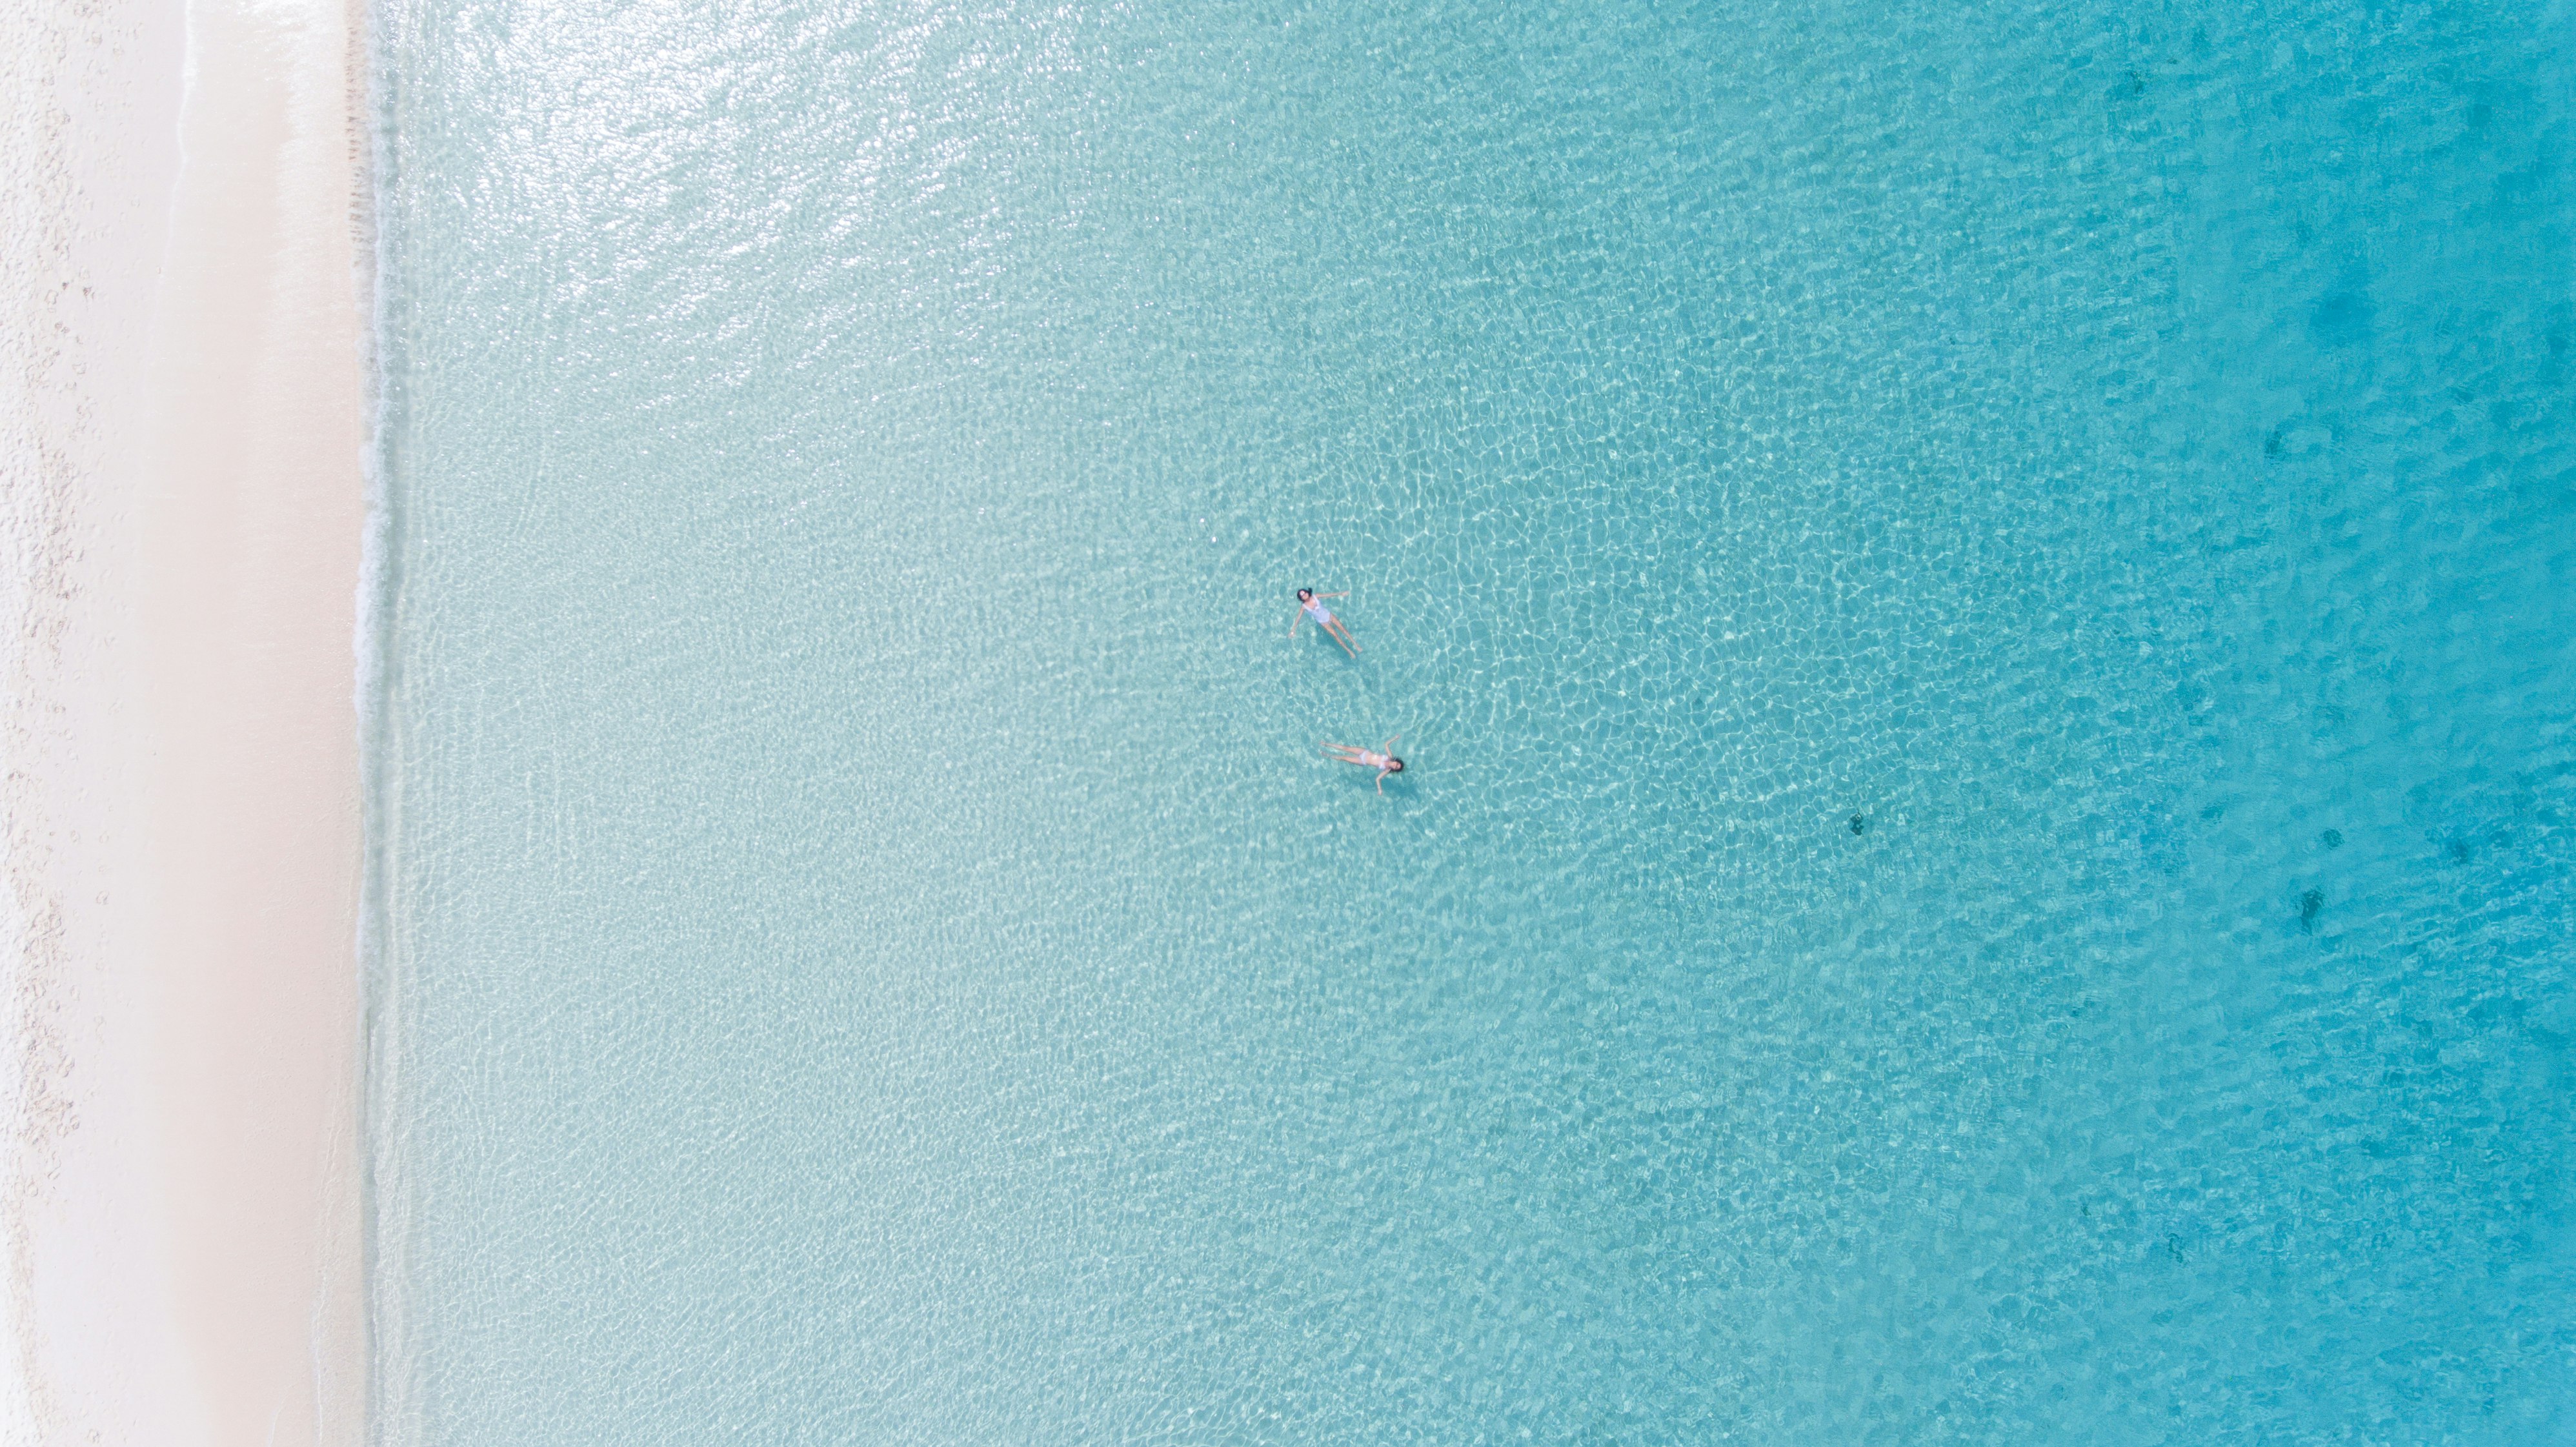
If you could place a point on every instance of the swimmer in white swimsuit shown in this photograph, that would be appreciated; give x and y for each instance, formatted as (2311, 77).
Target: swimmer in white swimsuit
(1377, 758)
(1310, 604)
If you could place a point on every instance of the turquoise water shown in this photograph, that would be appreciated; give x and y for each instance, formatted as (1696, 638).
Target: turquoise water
(1978, 600)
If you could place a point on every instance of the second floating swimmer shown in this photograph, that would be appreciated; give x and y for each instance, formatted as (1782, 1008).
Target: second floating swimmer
(1377, 758)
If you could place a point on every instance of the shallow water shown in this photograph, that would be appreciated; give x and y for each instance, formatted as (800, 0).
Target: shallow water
(1978, 604)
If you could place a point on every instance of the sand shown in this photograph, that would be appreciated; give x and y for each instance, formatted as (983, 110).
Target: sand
(181, 501)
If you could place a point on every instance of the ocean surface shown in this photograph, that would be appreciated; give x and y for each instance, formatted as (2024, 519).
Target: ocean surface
(1978, 600)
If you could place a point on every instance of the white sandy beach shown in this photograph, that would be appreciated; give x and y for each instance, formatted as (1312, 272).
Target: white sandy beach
(181, 428)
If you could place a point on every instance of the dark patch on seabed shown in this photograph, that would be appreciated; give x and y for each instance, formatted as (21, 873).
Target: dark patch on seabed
(2296, 439)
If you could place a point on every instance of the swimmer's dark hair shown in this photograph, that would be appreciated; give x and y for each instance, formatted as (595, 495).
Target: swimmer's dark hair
(1394, 765)
(1305, 593)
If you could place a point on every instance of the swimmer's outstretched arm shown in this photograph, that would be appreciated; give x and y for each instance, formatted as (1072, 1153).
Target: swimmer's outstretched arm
(1343, 594)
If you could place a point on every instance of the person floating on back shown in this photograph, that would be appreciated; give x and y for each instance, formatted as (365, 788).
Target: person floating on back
(1378, 759)
(1310, 604)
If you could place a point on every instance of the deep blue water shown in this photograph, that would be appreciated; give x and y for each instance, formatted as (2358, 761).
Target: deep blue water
(1978, 599)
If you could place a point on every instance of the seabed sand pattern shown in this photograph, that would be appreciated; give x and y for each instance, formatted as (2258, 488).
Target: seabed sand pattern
(181, 503)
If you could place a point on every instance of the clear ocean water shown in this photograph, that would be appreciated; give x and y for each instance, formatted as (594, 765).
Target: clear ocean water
(1979, 600)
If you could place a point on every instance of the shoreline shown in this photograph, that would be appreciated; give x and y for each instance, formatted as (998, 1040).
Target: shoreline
(184, 499)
